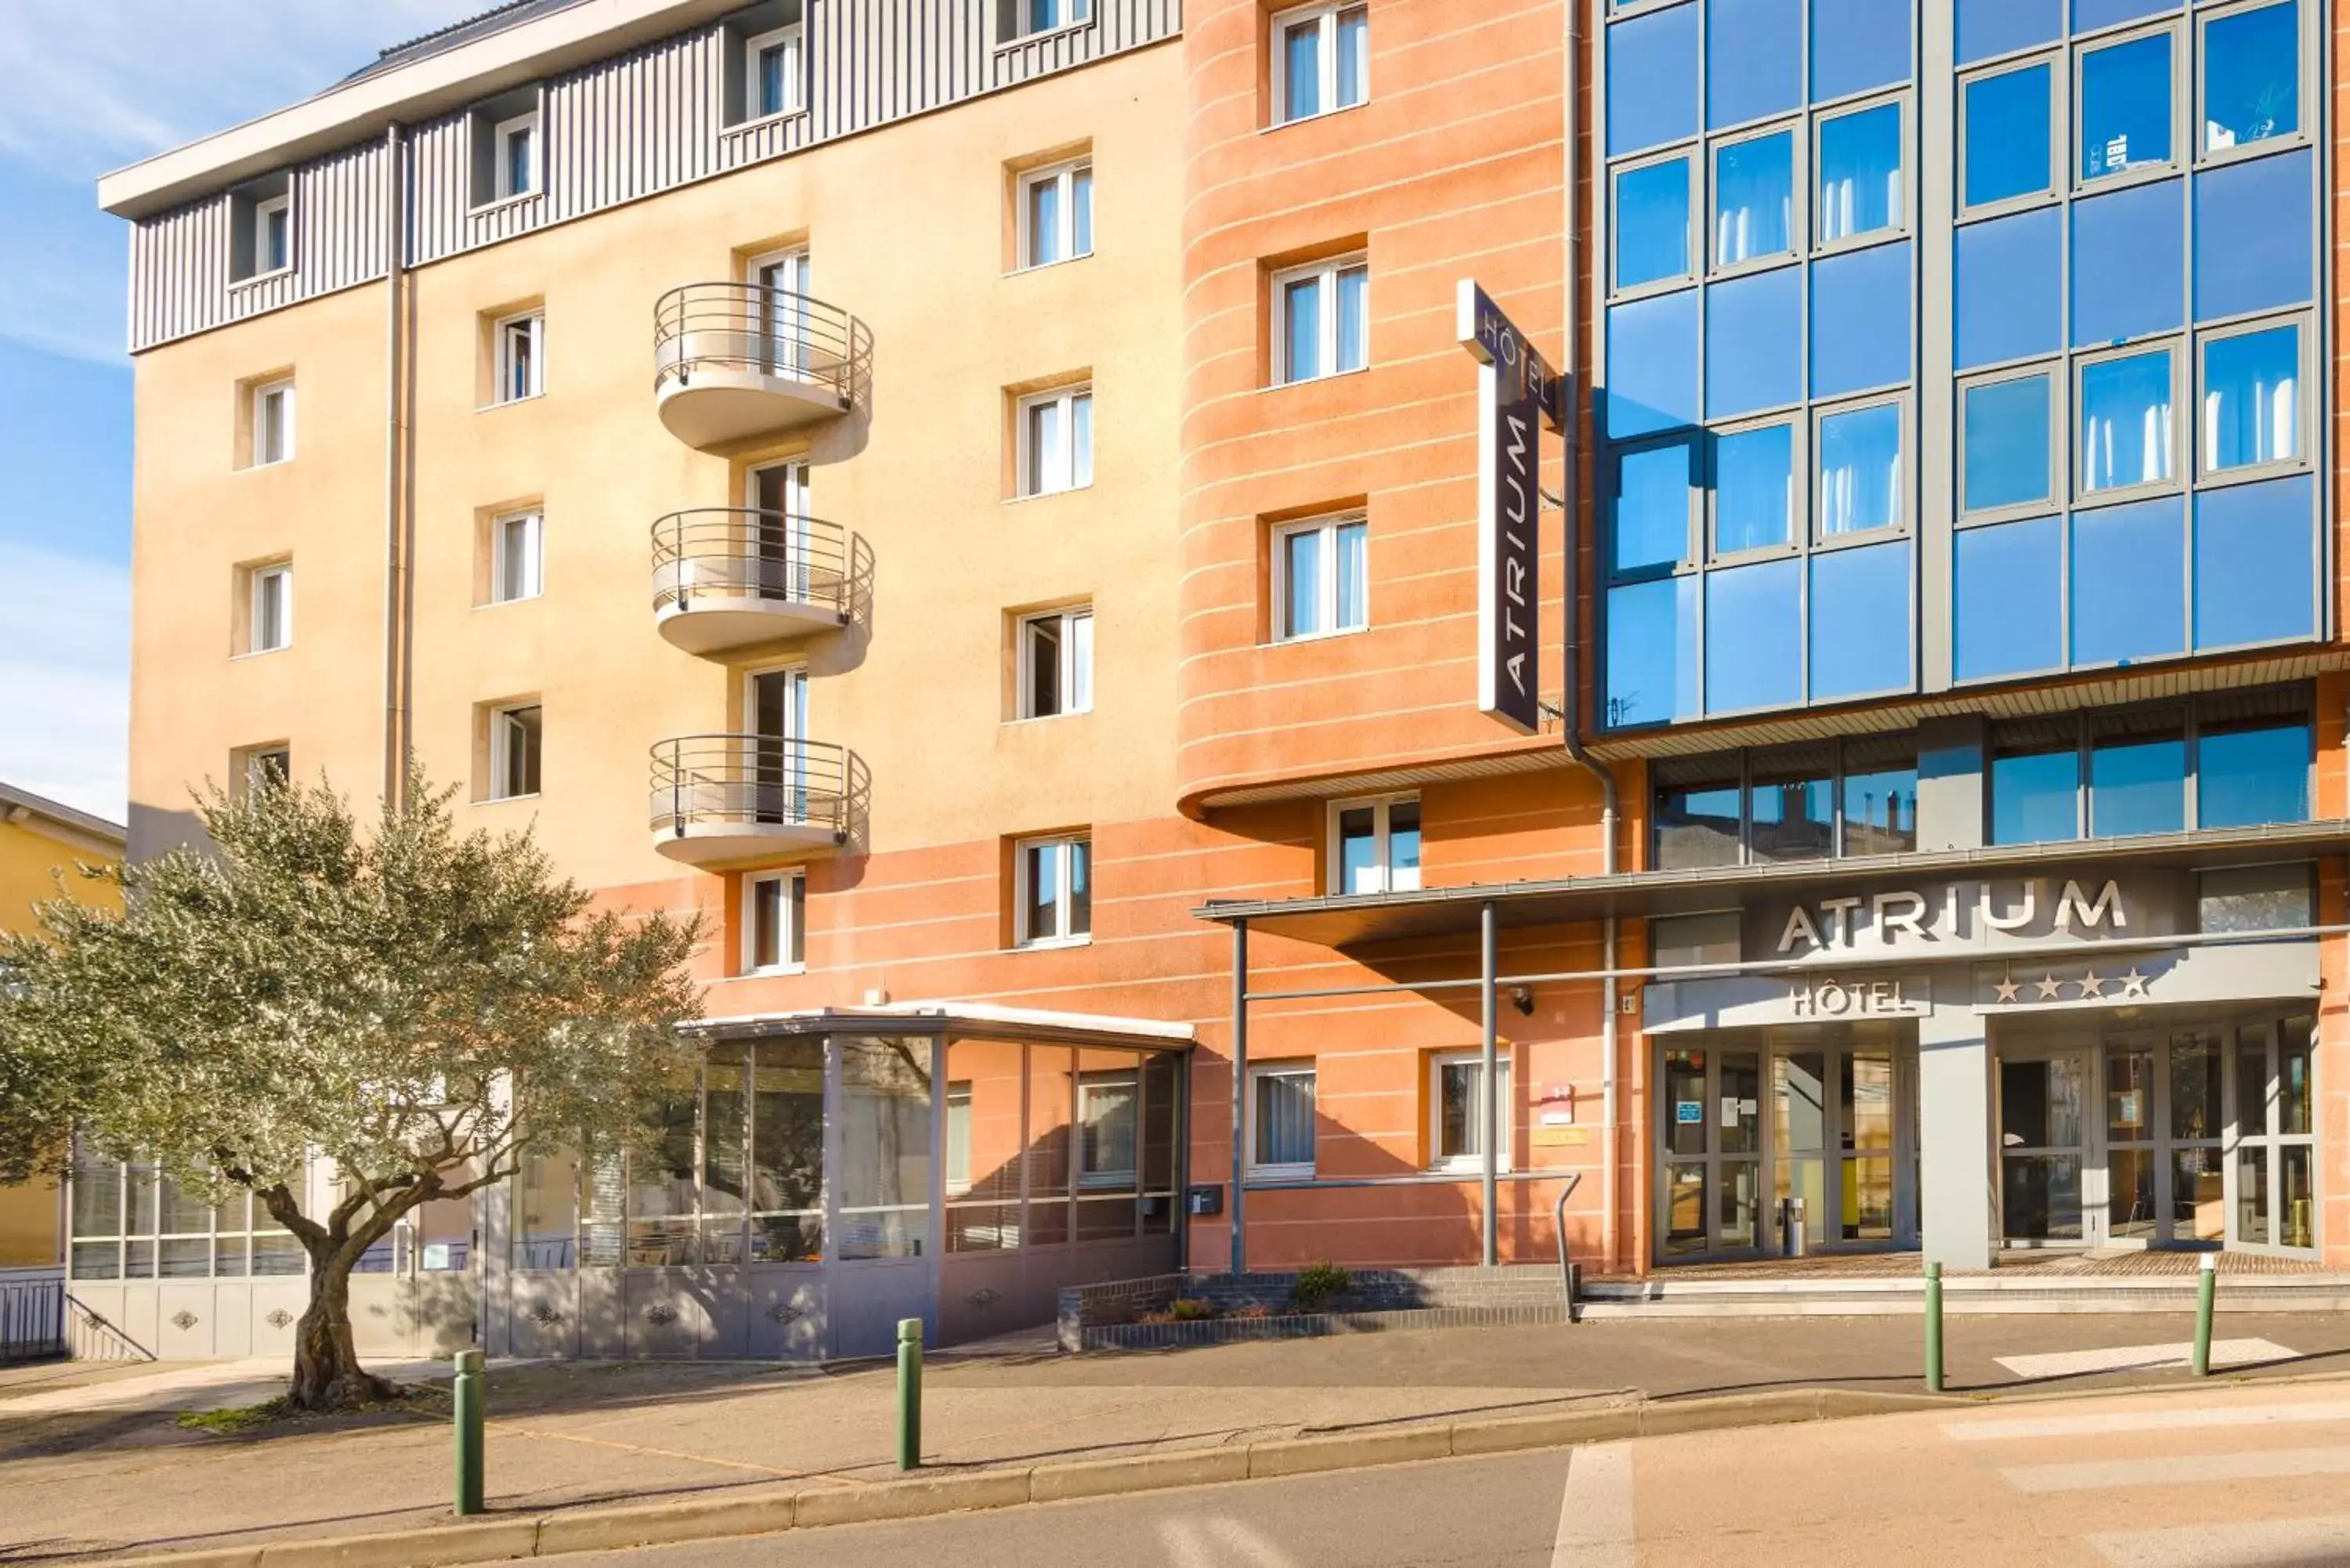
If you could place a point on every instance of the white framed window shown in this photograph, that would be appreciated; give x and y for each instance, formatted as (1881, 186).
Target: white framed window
(1056, 663)
(518, 542)
(514, 145)
(775, 908)
(1056, 213)
(774, 67)
(1027, 17)
(1321, 319)
(1456, 1111)
(516, 734)
(1280, 1130)
(958, 1170)
(1321, 59)
(273, 235)
(1321, 578)
(1110, 1107)
(1375, 844)
(271, 764)
(270, 608)
(521, 368)
(272, 423)
(1057, 441)
(1053, 893)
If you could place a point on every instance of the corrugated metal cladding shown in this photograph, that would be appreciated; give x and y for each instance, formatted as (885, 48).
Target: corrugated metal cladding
(638, 123)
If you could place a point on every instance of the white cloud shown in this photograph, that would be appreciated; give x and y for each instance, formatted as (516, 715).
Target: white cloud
(65, 678)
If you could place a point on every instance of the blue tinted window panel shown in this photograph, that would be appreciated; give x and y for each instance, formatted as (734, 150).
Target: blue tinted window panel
(2011, 288)
(2008, 585)
(1754, 489)
(2006, 426)
(1858, 44)
(2137, 786)
(1755, 343)
(2128, 427)
(2255, 563)
(2252, 77)
(1754, 636)
(1988, 27)
(1860, 470)
(2035, 798)
(1652, 363)
(2244, 778)
(1860, 621)
(2129, 263)
(1754, 59)
(1754, 199)
(1652, 80)
(2252, 224)
(1652, 223)
(1652, 507)
(1860, 320)
(2091, 14)
(2129, 582)
(2252, 398)
(1652, 652)
(2125, 110)
(2007, 135)
(1860, 173)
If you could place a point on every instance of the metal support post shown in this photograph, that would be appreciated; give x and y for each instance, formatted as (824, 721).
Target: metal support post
(909, 1394)
(467, 1402)
(2206, 1292)
(1933, 1328)
(1489, 1115)
(1240, 1097)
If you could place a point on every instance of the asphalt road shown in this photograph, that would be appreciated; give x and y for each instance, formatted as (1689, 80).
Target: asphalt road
(2232, 1476)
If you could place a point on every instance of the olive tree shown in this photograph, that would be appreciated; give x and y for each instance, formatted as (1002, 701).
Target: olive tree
(403, 1010)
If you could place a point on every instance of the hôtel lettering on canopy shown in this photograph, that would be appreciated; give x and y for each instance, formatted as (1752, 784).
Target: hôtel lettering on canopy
(1276, 633)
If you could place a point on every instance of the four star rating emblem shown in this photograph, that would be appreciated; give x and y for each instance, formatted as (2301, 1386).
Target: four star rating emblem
(2048, 987)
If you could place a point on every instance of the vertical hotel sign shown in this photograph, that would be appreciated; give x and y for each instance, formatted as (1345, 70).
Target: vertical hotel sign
(1517, 393)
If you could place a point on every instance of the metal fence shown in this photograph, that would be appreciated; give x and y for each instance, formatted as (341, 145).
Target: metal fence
(32, 1317)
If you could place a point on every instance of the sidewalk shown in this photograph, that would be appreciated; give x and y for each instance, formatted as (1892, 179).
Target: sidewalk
(90, 1464)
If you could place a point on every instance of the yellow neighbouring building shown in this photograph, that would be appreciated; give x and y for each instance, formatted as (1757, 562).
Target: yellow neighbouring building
(38, 839)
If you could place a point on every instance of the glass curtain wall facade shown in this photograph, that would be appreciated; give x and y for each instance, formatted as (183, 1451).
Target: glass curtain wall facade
(1910, 382)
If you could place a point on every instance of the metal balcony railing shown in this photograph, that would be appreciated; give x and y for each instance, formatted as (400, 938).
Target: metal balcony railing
(724, 785)
(745, 553)
(752, 328)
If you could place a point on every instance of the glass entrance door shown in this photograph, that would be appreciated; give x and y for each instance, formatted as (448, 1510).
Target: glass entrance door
(1712, 1136)
(2043, 1147)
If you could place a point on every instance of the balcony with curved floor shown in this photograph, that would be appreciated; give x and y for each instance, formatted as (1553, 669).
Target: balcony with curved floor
(733, 577)
(734, 360)
(724, 799)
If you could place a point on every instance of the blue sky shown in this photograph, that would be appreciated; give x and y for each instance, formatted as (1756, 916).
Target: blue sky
(87, 86)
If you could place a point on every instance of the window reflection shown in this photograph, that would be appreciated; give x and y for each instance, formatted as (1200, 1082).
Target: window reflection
(1753, 481)
(1652, 223)
(1860, 172)
(1860, 470)
(885, 1147)
(2252, 398)
(2035, 781)
(1652, 652)
(2126, 106)
(2138, 771)
(2125, 421)
(1652, 507)
(2129, 581)
(1755, 198)
(1697, 812)
(788, 1152)
(2252, 760)
(2007, 124)
(2006, 440)
(1880, 795)
(1792, 803)
(2252, 77)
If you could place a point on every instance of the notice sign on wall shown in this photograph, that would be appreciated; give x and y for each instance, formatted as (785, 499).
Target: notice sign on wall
(1518, 394)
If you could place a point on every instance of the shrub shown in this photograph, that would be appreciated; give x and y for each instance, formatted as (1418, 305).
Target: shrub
(1318, 1284)
(1191, 1309)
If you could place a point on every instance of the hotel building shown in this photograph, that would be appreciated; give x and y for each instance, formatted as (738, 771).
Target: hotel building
(1000, 505)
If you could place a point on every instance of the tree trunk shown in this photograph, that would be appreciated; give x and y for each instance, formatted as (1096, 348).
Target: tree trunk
(327, 1371)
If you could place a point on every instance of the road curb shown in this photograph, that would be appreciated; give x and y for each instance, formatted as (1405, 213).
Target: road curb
(711, 1519)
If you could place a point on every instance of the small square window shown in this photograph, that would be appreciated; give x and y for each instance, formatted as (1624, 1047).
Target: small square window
(265, 766)
(2007, 135)
(1056, 214)
(270, 608)
(1321, 60)
(1322, 321)
(1458, 1111)
(2006, 434)
(774, 906)
(2126, 99)
(515, 740)
(520, 363)
(1057, 441)
(1652, 222)
(1056, 663)
(1280, 1120)
(774, 69)
(1860, 470)
(1754, 489)
(1053, 892)
(1861, 188)
(1375, 845)
(2128, 427)
(272, 423)
(516, 541)
(2252, 398)
(2252, 77)
(1321, 578)
(1754, 199)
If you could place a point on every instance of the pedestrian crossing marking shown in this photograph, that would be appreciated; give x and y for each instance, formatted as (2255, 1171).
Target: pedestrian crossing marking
(2023, 1429)
(2267, 1543)
(2142, 1358)
(2183, 1469)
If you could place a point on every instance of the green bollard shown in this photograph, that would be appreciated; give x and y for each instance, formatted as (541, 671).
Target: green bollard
(2206, 1290)
(467, 1399)
(909, 1394)
(1933, 1328)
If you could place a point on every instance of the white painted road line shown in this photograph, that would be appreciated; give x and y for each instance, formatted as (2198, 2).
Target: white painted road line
(2028, 1426)
(2143, 1357)
(1595, 1517)
(2100, 1475)
(2272, 1543)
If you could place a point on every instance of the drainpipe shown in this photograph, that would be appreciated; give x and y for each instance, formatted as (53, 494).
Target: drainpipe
(1571, 703)
(395, 561)
(1240, 1097)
